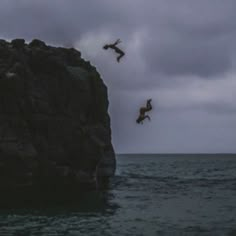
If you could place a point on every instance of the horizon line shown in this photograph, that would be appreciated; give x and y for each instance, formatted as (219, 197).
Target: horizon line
(178, 153)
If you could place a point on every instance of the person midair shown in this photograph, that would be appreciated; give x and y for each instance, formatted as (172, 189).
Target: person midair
(115, 48)
(142, 112)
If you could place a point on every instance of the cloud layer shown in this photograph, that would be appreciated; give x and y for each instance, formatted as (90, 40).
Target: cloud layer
(180, 53)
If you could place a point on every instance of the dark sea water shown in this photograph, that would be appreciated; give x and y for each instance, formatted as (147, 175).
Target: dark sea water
(150, 195)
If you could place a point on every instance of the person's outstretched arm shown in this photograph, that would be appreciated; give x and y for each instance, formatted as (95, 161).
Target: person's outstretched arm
(116, 42)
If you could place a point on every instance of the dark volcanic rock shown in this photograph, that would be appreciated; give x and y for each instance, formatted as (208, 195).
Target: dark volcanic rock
(54, 126)
(18, 43)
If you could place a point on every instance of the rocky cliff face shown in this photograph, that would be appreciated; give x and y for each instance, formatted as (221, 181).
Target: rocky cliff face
(54, 125)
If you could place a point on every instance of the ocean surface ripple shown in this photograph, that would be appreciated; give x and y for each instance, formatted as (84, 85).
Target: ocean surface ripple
(150, 195)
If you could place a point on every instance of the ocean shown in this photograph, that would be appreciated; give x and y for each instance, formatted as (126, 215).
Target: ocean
(160, 194)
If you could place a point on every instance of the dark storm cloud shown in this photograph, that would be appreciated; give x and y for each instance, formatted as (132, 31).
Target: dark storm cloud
(189, 57)
(195, 40)
(56, 21)
(171, 48)
(182, 38)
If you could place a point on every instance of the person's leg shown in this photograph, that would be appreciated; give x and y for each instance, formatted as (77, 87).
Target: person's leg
(119, 57)
(149, 106)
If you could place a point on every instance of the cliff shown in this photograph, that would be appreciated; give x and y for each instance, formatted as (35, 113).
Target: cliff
(54, 125)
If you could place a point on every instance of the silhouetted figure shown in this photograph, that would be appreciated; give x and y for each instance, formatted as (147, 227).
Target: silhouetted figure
(114, 47)
(142, 112)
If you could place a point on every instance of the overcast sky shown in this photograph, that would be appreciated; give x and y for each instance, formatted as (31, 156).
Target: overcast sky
(182, 54)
